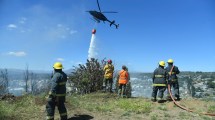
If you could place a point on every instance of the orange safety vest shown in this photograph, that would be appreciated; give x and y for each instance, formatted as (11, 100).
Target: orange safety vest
(123, 77)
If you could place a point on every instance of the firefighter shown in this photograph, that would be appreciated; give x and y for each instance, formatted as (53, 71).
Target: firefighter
(108, 76)
(57, 93)
(123, 78)
(159, 78)
(173, 79)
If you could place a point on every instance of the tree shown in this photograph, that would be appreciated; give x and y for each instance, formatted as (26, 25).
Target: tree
(89, 77)
(189, 84)
(4, 82)
(193, 91)
(33, 83)
(26, 78)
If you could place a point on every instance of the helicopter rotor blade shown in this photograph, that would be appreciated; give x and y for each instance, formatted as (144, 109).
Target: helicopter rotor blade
(98, 5)
(109, 12)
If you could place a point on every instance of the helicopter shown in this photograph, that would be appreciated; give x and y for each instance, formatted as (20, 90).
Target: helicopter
(99, 16)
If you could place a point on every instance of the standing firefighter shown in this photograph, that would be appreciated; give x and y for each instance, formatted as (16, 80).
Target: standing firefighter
(123, 77)
(108, 76)
(173, 79)
(159, 82)
(57, 94)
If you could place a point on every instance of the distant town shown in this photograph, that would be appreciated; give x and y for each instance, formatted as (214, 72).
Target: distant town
(192, 84)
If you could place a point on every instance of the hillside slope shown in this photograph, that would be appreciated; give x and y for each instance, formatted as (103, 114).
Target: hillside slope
(104, 106)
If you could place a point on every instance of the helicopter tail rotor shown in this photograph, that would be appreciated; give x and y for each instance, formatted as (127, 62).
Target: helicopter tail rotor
(117, 26)
(111, 23)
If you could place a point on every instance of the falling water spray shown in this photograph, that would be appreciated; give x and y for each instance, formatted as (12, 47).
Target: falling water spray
(92, 49)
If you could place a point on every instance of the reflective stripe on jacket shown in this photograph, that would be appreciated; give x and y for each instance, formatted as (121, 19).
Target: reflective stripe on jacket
(159, 77)
(108, 69)
(123, 77)
(158, 84)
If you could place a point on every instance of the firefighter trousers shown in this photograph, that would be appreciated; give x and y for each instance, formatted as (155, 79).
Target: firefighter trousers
(107, 84)
(50, 108)
(122, 90)
(161, 90)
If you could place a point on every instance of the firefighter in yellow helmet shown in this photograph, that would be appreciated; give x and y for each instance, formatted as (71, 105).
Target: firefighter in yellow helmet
(173, 79)
(159, 78)
(57, 93)
(108, 76)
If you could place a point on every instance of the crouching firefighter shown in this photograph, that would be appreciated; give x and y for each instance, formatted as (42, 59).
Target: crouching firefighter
(159, 78)
(57, 93)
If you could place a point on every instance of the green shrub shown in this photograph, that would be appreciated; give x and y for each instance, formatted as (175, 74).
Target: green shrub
(88, 77)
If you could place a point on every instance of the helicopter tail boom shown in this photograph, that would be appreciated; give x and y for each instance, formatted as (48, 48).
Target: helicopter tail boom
(111, 23)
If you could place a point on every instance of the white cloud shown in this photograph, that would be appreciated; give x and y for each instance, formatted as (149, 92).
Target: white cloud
(63, 36)
(59, 32)
(73, 32)
(17, 54)
(76, 63)
(22, 31)
(60, 59)
(59, 25)
(129, 63)
(23, 20)
(11, 26)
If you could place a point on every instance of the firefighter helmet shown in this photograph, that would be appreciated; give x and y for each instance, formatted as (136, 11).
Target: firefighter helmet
(170, 61)
(162, 63)
(109, 61)
(58, 65)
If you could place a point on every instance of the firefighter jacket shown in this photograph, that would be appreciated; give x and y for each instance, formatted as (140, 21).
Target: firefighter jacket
(175, 71)
(159, 77)
(123, 77)
(58, 86)
(108, 69)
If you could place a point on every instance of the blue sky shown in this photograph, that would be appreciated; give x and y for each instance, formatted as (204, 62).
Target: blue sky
(41, 32)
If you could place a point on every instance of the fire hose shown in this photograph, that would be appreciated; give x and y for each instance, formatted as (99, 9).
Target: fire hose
(184, 108)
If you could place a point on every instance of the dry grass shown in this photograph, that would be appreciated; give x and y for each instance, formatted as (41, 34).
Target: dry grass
(102, 106)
